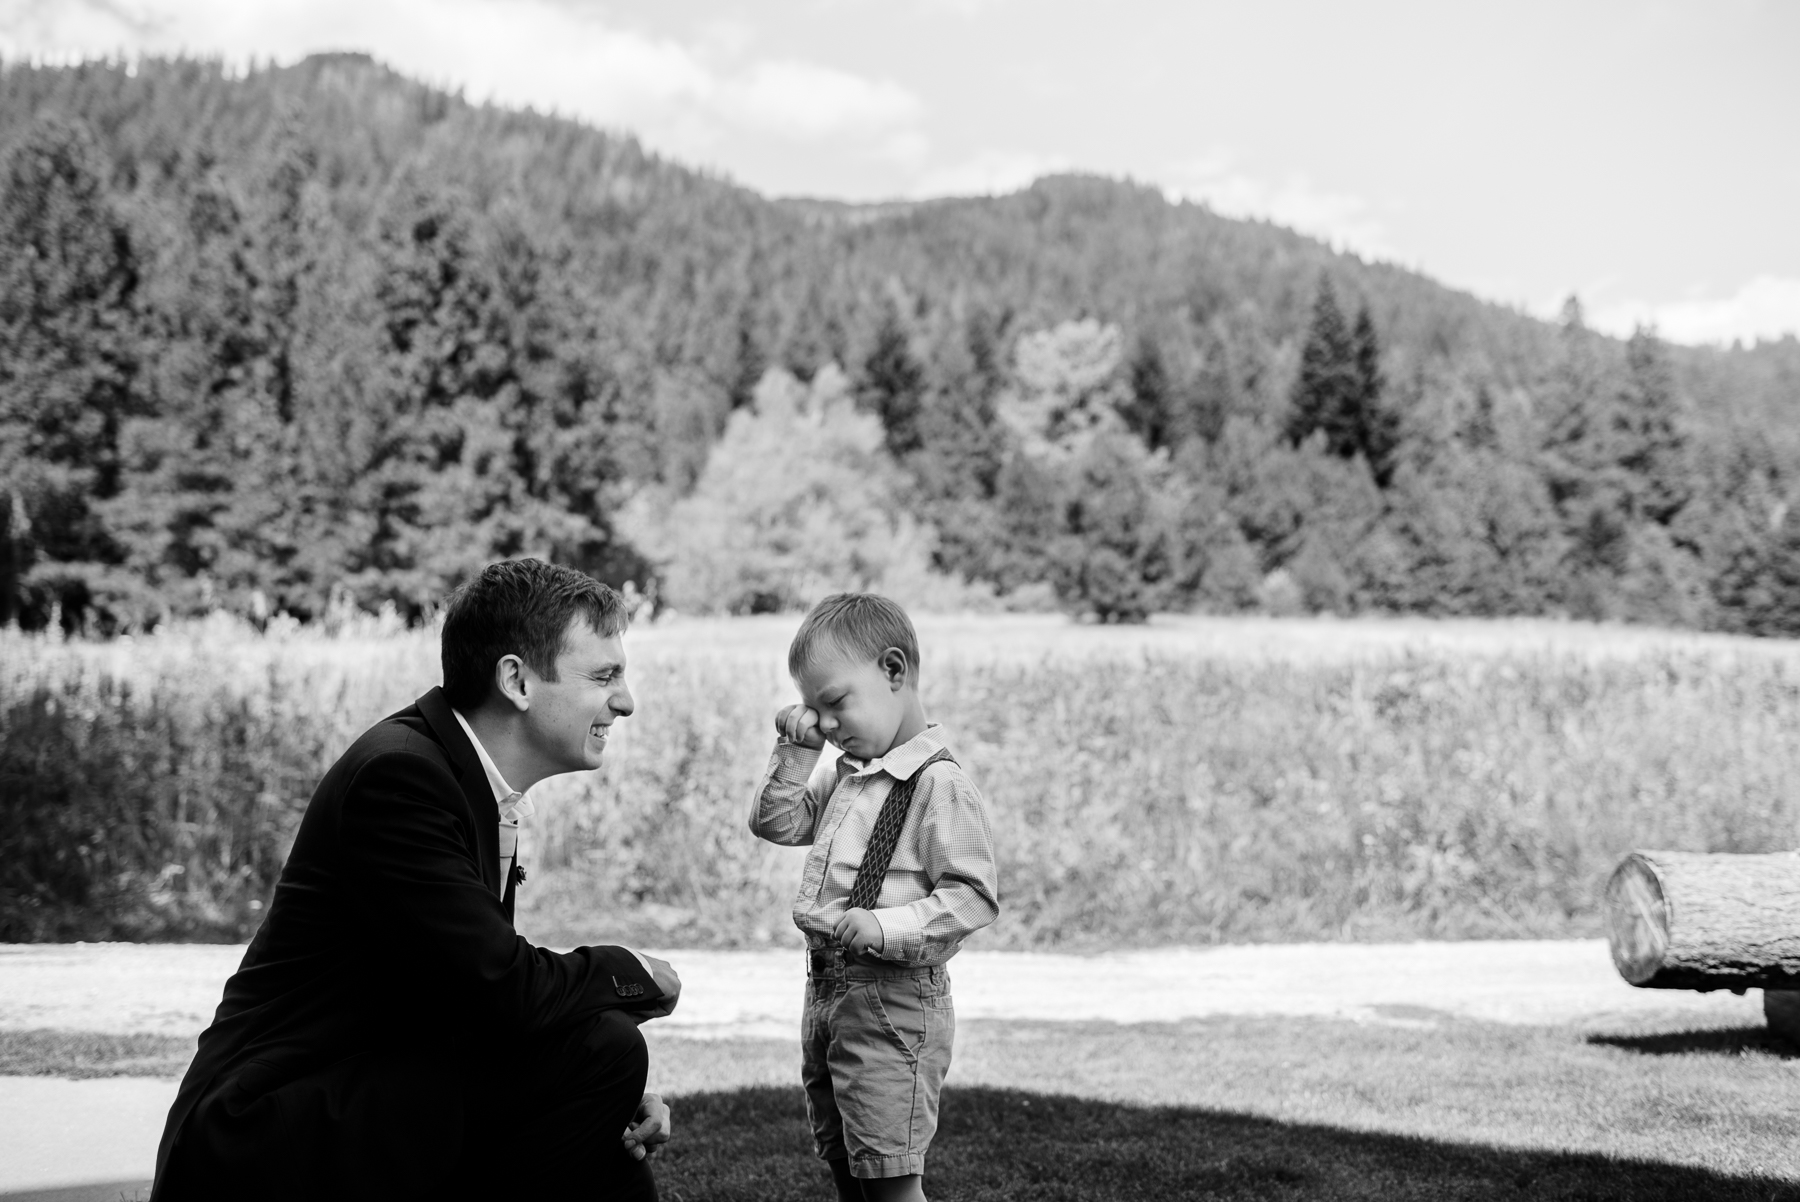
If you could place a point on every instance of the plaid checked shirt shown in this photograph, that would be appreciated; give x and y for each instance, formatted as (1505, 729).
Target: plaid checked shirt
(940, 887)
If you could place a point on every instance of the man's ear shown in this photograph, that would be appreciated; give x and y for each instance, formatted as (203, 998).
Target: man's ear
(511, 683)
(893, 666)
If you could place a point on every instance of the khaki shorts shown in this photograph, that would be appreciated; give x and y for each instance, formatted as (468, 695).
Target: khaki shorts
(874, 1048)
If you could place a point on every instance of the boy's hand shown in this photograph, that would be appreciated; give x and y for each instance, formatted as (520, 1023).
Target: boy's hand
(800, 724)
(859, 932)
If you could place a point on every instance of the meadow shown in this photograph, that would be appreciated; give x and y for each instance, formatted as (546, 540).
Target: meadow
(1191, 781)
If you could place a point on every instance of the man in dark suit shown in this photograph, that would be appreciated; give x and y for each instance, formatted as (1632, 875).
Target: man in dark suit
(388, 1034)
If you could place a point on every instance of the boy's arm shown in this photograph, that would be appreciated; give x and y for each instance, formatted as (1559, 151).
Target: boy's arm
(786, 807)
(956, 847)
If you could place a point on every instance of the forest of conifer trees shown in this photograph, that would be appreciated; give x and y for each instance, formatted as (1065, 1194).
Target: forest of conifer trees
(318, 338)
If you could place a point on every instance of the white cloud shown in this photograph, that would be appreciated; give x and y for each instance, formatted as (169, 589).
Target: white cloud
(990, 173)
(1346, 221)
(1766, 307)
(806, 100)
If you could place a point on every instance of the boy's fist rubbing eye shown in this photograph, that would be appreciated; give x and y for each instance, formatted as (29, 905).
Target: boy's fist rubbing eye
(858, 931)
(800, 724)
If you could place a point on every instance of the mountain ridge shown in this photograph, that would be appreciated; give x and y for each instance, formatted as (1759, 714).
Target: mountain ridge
(561, 319)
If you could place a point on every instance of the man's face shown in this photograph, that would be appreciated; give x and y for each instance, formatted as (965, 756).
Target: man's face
(859, 704)
(570, 717)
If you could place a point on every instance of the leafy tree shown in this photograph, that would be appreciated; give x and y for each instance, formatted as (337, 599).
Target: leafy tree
(1476, 533)
(1308, 512)
(1069, 385)
(1117, 548)
(1759, 587)
(799, 499)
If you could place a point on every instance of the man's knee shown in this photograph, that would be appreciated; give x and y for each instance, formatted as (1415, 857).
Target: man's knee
(605, 1053)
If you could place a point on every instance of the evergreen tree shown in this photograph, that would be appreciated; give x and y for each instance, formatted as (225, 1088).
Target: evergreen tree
(962, 454)
(426, 427)
(1150, 411)
(1329, 391)
(1651, 446)
(69, 283)
(748, 363)
(356, 330)
(891, 385)
(1481, 429)
(1377, 427)
(1339, 389)
(204, 503)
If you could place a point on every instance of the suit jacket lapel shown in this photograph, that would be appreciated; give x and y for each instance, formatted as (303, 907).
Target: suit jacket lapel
(473, 780)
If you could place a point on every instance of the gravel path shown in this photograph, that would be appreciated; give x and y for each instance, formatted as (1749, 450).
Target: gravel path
(173, 988)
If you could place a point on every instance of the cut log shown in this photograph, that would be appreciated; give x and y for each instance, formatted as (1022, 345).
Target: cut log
(1681, 920)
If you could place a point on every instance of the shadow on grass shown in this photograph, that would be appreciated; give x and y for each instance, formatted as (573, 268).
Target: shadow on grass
(1727, 1041)
(997, 1145)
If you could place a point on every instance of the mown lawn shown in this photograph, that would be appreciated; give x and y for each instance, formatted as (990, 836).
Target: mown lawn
(1420, 1107)
(1001, 1145)
(1275, 1108)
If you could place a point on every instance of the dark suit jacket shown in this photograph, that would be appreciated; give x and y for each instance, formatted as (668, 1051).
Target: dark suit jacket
(387, 930)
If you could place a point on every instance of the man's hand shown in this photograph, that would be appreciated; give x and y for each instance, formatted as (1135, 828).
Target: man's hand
(800, 724)
(666, 980)
(859, 932)
(651, 1130)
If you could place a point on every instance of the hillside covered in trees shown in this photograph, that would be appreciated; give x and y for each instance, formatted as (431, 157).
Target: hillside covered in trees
(318, 337)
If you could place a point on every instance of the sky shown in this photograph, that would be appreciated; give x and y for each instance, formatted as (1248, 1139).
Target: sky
(1643, 155)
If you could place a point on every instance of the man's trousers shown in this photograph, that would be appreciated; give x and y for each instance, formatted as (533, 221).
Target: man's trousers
(543, 1121)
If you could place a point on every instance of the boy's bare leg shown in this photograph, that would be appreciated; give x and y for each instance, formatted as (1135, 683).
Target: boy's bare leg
(910, 1188)
(848, 1189)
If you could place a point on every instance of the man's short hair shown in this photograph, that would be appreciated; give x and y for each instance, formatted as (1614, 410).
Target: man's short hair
(519, 607)
(855, 625)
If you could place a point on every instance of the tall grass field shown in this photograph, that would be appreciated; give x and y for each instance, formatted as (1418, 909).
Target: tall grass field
(1191, 781)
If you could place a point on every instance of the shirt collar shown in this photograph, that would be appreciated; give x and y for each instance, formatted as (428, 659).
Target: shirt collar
(503, 792)
(902, 761)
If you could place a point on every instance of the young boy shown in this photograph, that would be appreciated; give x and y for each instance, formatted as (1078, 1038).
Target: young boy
(900, 873)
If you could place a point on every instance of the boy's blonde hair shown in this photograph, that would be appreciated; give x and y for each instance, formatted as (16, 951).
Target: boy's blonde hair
(854, 625)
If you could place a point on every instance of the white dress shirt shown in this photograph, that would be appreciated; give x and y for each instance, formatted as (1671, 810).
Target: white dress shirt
(514, 806)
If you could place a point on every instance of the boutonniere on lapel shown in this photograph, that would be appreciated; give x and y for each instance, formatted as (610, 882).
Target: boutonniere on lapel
(631, 990)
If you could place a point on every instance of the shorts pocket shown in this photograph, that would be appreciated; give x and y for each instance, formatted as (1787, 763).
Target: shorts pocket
(899, 1007)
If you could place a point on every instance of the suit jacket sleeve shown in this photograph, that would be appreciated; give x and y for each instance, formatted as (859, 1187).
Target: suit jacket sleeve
(407, 849)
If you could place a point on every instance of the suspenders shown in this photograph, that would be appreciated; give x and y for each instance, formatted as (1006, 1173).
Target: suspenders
(886, 836)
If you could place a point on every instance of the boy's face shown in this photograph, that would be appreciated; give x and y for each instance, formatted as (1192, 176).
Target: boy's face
(861, 702)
